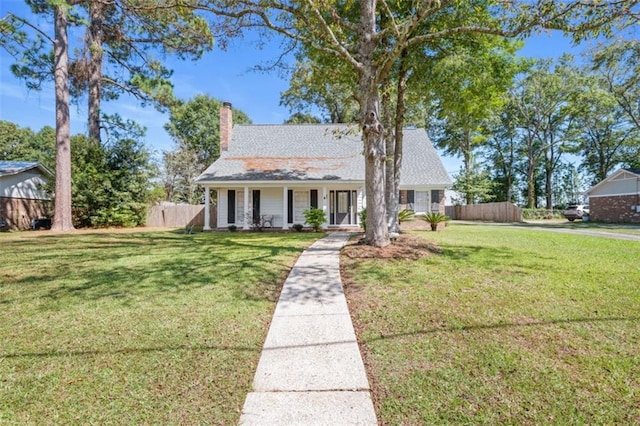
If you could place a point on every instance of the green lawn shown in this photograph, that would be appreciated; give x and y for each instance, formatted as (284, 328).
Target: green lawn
(137, 327)
(502, 325)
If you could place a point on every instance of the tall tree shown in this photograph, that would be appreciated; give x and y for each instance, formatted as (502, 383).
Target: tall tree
(619, 65)
(500, 150)
(371, 35)
(62, 219)
(469, 85)
(22, 144)
(117, 56)
(547, 119)
(324, 84)
(474, 184)
(302, 118)
(162, 24)
(181, 167)
(605, 130)
(193, 125)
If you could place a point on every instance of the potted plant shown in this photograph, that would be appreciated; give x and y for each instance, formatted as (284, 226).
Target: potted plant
(434, 218)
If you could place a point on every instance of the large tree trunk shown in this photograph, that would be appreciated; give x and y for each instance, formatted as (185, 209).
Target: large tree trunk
(95, 39)
(388, 116)
(377, 231)
(394, 150)
(468, 163)
(389, 189)
(548, 183)
(372, 135)
(62, 220)
(531, 186)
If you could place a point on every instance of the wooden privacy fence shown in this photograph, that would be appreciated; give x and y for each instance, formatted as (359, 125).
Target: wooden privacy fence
(179, 215)
(491, 212)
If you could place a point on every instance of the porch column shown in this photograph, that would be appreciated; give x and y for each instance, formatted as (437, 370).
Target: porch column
(285, 207)
(207, 216)
(247, 218)
(324, 207)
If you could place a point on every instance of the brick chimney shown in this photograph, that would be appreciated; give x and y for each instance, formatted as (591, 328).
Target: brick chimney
(226, 126)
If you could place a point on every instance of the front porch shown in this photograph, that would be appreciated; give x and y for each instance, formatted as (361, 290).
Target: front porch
(282, 207)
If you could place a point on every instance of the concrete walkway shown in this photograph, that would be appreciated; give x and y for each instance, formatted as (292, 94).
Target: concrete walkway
(310, 371)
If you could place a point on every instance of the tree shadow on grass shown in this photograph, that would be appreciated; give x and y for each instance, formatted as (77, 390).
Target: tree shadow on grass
(125, 351)
(112, 265)
(497, 258)
(501, 325)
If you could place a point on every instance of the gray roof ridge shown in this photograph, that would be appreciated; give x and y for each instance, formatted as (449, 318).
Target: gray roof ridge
(294, 125)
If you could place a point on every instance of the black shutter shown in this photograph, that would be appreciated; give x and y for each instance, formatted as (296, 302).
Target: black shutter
(231, 206)
(435, 196)
(256, 206)
(411, 196)
(290, 206)
(314, 198)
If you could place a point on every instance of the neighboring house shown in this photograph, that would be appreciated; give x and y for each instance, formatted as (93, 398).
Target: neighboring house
(272, 173)
(616, 198)
(22, 198)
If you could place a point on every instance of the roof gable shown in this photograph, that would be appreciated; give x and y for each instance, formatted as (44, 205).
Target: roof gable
(14, 167)
(316, 152)
(618, 175)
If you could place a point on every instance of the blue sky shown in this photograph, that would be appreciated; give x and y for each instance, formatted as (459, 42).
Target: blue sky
(225, 75)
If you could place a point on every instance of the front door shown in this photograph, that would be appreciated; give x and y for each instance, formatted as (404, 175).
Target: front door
(343, 207)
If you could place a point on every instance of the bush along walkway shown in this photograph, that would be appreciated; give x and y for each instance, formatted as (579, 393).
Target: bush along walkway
(310, 370)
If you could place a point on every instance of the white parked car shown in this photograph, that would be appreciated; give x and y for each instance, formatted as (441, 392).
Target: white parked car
(576, 211)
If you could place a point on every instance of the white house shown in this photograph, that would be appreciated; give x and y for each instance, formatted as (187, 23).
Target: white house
(21, 195)
(616, 198)
(272, 173)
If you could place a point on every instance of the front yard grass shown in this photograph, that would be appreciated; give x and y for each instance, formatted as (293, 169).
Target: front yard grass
(135, 328)
(502, 326)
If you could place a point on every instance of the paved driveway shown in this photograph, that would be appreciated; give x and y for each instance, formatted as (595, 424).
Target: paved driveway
(619, 236)
(555, 227)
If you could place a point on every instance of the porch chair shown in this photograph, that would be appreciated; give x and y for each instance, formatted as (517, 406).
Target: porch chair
(267, 219)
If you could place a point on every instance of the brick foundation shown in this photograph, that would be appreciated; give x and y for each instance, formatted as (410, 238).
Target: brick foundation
(614, 209)
(18, 212)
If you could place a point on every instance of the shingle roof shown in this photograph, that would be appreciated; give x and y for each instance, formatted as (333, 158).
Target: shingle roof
(14, 167)
(316, 152)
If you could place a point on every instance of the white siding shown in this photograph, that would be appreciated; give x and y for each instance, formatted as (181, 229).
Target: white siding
(222, 208)
(625, 184)
(361, 203)
(271, 204)
(23, 185)
(240, 206)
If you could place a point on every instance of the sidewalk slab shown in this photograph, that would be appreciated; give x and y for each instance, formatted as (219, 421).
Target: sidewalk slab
(311, 353)
(308, 408)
